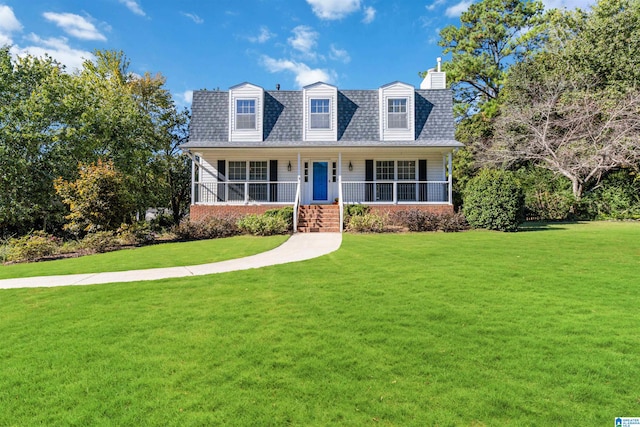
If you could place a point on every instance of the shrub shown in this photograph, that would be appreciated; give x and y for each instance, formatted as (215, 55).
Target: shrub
(100, 241)
(617, 197)
(367, 223)
(31, 247)
(354, 210)
(98, 200)
(419, 220)
(286, 213)
(212, 227)
(263, 225)
(494, 200)
(136, 233)
(453, 222)
(546, 196)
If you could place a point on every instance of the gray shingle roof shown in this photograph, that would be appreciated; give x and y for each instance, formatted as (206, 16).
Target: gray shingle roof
(358, 120)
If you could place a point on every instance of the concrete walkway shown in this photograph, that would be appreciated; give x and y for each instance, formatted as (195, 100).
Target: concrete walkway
(298, 247)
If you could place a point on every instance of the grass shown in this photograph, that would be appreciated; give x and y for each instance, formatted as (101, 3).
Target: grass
(153, 256)
(536, 328)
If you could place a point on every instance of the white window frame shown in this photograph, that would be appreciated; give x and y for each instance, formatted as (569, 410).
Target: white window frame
(325, 116)
(397, 115)
(246, 114)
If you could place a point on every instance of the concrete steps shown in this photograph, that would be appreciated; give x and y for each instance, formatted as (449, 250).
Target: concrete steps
(319, 218)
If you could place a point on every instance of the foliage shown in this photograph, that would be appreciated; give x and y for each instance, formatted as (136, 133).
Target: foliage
(492, 34)
(494, 200)
(212, 227)
(52, 119)
(617, 197)
(418, 220)
(356, 210)
(568, 126)
(546, 196)
(100, 241)
(32, 246)
(285, 213)
(137, 233)
(263, 225)
(369, 222)
(99, 199)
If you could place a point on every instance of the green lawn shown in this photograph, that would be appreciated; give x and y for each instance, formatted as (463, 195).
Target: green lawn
(154, 256)
(536, 328)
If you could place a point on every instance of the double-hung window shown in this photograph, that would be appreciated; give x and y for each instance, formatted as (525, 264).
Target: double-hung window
(397, 113)
(319, 117)
(245, 114)
(237, 172)
(406, 172)
(258, 172)
(385, 171)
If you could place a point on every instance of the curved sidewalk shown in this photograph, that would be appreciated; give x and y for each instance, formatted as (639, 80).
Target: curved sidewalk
(299, 247)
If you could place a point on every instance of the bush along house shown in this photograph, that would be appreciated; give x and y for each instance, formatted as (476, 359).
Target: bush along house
(321, 148)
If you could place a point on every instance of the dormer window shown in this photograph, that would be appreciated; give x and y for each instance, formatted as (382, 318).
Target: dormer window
(320, 117)
(397, 111)
(246, 114)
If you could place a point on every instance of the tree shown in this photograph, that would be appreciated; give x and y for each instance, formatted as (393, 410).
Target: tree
(570, 110)
(492, 35)
(580, 133)
(99, 200)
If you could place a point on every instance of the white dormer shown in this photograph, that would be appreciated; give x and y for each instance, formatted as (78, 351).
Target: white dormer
(246, 105)
(397, 112)
(320, 116)
(435, 78)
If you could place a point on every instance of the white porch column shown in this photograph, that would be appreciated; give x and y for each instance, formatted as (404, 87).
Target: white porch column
(450, 178)
(193, 182)
(340, 201)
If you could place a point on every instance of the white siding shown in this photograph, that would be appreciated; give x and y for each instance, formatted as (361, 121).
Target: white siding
(250, 92)
(397, 90)
(320, 91)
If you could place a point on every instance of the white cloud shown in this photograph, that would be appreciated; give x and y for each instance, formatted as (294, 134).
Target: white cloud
(304, 74)
(457, 9)
(339, 54)
(195, 18)
(369, 15)
(333, 9)
(263, 37)
(57, 48)
(187, 96)
(133, 6)
(435, 4)
(8, 24)
(75, 25)
(304, 40)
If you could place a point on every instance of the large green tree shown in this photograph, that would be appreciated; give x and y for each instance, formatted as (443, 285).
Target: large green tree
(51, 121)
(570, 110)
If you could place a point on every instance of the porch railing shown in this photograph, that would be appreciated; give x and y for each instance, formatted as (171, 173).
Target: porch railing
(395, 192)
(245, 192)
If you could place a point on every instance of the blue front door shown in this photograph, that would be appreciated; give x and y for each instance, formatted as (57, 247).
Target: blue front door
(320, 170)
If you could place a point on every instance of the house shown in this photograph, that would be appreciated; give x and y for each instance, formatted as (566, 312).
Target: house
(254, 149)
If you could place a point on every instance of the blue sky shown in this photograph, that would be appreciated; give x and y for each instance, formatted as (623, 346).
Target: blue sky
(196, 44)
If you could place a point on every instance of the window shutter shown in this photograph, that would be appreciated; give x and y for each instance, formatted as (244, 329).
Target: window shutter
(422, 177)
(273, 177)
(368, 176)
(222, 176)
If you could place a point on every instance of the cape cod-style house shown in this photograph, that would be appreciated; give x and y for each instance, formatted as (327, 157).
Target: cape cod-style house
(321, 148)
